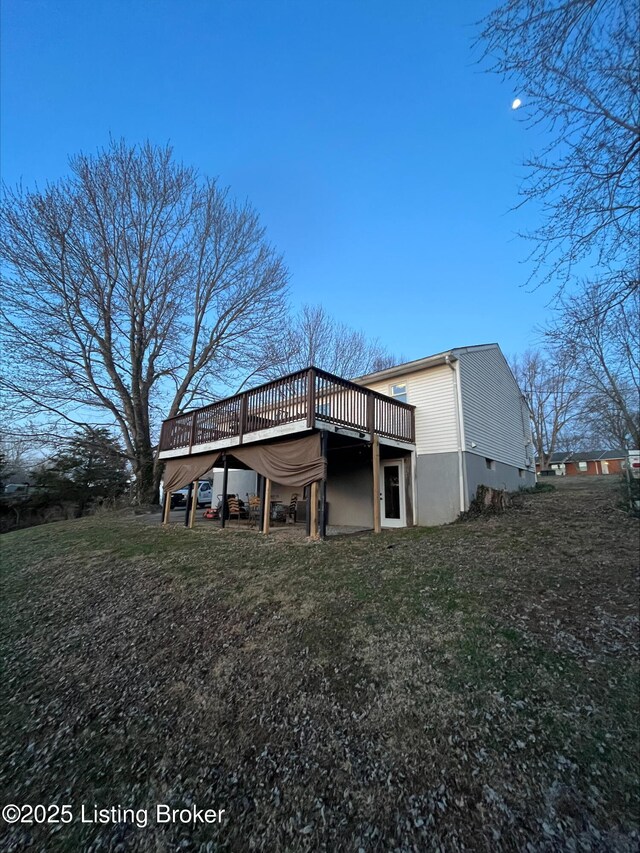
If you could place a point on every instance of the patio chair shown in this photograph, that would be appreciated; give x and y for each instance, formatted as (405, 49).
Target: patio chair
(233, 507)
(255, 506)
(293, 509)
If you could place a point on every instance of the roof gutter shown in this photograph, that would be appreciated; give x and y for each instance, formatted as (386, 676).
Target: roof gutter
(408, 367)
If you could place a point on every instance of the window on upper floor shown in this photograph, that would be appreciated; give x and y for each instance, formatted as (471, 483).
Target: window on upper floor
(399, 392)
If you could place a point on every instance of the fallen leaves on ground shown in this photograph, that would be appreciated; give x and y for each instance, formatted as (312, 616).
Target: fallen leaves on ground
(474, 687)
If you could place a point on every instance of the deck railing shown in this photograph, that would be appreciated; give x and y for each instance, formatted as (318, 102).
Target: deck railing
(307, 395)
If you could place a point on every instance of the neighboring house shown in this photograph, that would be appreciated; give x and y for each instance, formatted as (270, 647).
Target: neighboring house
(563, 463)
(557, 464)
(404, 446)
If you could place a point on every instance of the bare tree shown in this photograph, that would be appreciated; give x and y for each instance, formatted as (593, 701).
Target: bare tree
(576, 67)
(314, 337)
(132, 287)
(604, 348)
(18, 457)
(602, 425)
(552, 396)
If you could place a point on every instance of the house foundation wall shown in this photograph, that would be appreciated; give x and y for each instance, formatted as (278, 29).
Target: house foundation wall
(502, 476)
(437, 488)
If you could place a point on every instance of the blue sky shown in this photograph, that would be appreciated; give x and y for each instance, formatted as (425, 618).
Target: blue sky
(382, 160)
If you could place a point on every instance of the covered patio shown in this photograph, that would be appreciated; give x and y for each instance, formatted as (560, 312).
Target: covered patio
(280, 530)
(344, 450)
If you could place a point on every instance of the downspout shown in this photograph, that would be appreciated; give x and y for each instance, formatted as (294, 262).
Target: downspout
(460, 433)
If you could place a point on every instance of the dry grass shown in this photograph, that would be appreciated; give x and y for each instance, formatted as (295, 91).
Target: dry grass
(473, 687)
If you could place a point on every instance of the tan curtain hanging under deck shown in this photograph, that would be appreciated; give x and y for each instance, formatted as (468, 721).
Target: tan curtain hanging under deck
(292, 463)
(178, 473)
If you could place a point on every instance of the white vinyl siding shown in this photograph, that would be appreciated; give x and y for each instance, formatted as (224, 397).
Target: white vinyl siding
(432, 392)
(496, 423)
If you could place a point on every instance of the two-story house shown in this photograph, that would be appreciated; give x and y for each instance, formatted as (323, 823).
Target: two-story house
(404, 446)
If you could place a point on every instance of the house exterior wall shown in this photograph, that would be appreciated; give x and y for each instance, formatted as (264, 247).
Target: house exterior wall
(438, 491)
(503, 476)
(595, 467)
(437, 488)
(432, 392)
(495, 416)
(494, 425)
(350, 495)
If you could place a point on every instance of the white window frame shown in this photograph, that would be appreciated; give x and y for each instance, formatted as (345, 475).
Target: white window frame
(401, 397)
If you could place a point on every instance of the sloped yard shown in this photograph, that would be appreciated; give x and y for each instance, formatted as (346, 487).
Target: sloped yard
(472, 687)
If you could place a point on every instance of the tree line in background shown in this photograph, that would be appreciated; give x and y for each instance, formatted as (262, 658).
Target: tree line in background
(135, 288)
(575, 66)
(87, 471)
(583, 385)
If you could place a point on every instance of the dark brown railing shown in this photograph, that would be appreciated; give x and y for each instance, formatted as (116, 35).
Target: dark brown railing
(307, 395)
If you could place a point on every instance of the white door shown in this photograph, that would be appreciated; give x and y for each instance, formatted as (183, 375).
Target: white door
(392, 509)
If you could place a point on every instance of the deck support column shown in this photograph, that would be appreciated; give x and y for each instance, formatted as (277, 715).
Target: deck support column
(263, 510)
(225, 479)
(313, 533)
(408, 491)
(166, 509)
(375, 456)
(187, 511)
(266, 512)
(194, 503)
(324, 445)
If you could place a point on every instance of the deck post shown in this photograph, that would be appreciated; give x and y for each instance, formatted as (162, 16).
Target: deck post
(242, 424)
(324, 445)
(375, 457)
(408, 486)
(313, 534)
(192, 431)
(371, 414)
(225, 478)
(311, 397)
(187, 511)
(263, 487)
(194, 503)
(266, 513)
(166, 510)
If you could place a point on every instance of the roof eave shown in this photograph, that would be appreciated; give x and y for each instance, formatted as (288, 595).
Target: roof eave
(407, 367)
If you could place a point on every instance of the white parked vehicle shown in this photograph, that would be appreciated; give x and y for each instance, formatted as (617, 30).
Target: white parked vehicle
(179, 498)
(16, 489)
(633, 463)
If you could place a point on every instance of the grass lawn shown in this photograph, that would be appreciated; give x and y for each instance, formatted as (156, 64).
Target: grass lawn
(470, 687)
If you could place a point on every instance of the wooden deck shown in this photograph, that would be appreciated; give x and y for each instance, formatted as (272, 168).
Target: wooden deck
(307, 399)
